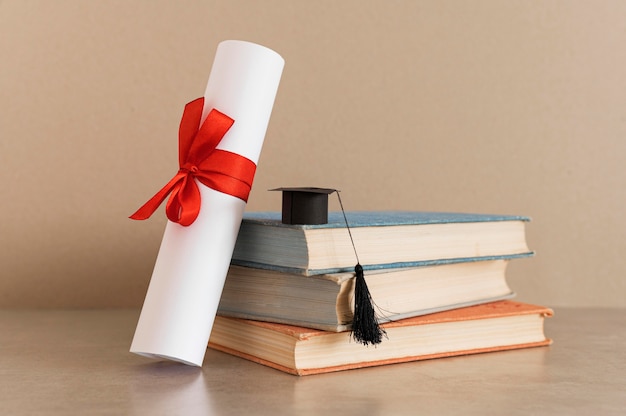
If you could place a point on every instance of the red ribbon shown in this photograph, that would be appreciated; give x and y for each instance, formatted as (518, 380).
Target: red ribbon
(198, 158)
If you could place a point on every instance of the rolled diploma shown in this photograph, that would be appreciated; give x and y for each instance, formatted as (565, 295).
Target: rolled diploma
(190, 270)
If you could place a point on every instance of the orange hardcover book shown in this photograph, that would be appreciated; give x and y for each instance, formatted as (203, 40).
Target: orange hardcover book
(495, 326)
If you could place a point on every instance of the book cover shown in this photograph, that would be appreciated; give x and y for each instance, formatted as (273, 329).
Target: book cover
(383, 239)
(380, 219)
(496, 326)
(326, 301)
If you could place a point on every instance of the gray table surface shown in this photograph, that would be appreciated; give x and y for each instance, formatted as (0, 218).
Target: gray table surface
(77, 362)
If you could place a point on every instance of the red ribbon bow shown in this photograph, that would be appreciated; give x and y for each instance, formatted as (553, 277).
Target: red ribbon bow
(198, 158)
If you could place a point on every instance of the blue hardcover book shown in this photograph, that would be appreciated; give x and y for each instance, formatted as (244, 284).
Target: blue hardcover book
(326, 301)
(383, 239)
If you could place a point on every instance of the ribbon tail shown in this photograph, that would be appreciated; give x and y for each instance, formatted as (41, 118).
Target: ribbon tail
(153, 203)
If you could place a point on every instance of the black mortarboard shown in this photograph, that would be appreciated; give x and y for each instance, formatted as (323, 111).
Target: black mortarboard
(305, 205)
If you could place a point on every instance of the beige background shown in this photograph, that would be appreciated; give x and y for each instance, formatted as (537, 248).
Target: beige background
(488, 106)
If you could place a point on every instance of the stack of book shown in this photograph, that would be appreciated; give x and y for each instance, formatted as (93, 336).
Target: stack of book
(437, 279)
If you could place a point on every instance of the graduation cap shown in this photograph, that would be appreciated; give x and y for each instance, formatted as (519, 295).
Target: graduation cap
(305, 205)
(309, 205)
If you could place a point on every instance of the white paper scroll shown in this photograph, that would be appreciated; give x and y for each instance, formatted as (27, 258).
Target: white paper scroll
(188, 277)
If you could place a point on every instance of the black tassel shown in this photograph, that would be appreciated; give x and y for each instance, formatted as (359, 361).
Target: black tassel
(365, 327)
